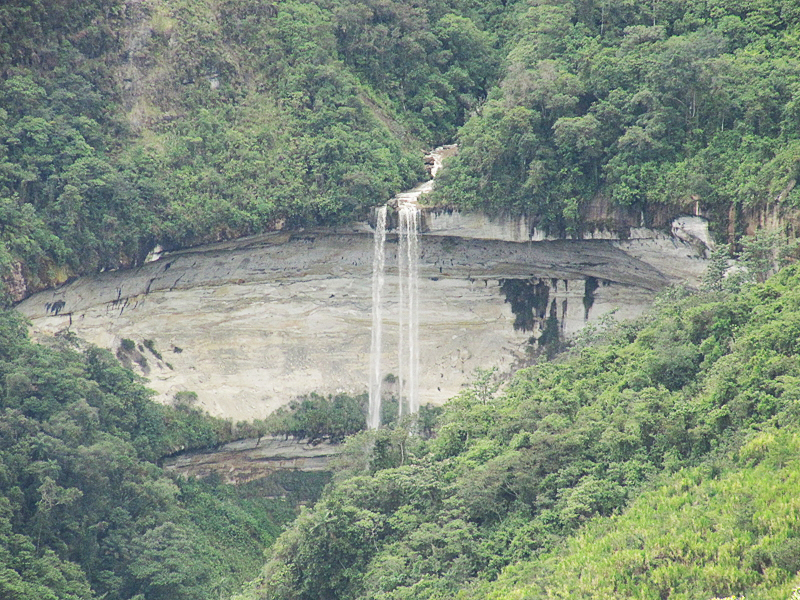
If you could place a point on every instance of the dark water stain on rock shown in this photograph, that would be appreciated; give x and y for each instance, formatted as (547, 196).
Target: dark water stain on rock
(590, 287)
(528, 299)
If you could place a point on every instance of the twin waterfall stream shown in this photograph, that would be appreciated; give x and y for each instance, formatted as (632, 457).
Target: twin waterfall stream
(408, 217)
(407, 318)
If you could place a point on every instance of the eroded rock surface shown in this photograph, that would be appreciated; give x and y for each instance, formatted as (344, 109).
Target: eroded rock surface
(251, 324)
(251, 459)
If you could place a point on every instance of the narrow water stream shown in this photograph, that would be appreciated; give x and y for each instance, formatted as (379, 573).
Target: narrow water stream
(408, 213)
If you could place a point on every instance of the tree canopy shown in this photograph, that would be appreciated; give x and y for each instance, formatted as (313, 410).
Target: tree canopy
(85, 510)
(639, 105)
(124, 125)
(127, 124)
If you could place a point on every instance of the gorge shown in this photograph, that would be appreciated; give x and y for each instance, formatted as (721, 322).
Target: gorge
(206, 265)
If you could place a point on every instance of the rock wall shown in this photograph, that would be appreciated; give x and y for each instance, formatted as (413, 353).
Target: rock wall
(251, 324)
(251, 459)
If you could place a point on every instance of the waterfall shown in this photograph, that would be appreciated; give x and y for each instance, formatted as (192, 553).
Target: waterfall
(402, 281)
(408, 320)
(378, 261)
(408, 214)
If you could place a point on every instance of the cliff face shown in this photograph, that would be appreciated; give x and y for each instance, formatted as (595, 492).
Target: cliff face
(251, 459)
(251, 324)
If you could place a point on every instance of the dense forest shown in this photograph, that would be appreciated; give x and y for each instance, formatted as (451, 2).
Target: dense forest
(641, 105)
(85, 510)
(657, 459)
(127, 124)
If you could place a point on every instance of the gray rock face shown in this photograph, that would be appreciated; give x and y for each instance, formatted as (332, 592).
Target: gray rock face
(15, 283)
(251, 324)
(251, 459)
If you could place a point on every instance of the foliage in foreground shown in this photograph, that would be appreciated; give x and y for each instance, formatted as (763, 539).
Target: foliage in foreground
(728, 528)
(85, 512)
(696, 391)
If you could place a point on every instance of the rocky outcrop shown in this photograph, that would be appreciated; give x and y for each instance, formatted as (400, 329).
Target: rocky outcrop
(255, 458)
(15, 283)
(253, 323)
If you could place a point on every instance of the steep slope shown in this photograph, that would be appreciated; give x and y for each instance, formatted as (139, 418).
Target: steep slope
(128, 124)
(728, 529)
(508, 478)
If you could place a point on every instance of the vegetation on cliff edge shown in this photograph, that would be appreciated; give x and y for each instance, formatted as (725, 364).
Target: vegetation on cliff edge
(178, 122)
(127, 124)
(639, 106)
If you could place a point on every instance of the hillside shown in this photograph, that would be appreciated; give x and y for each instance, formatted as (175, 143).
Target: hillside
(638, 111)
(85, 510)
(129, 124)
(620, 470)
(728, 529)
(653, 460)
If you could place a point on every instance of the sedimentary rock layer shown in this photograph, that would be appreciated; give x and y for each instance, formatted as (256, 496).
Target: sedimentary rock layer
(250, 459)
(250, 325)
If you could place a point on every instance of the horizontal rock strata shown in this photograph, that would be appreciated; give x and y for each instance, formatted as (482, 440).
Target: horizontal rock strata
(249, 325)
(251, 459)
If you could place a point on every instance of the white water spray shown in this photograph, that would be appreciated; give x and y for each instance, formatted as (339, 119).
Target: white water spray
(408, 319)
(408, 301)
(402, 311)
(408, 350)
(378, 261)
